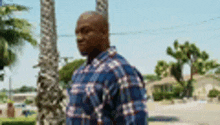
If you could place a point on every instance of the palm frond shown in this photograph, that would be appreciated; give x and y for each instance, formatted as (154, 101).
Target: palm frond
(15, 38)
(7, 56)
(11, 36)
(9, 9)
(17, 23)
(14, 32)
(3, 48)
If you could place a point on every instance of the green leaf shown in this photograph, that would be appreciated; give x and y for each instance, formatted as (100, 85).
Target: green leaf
(169, 51)
(204, 55)
(176, 44)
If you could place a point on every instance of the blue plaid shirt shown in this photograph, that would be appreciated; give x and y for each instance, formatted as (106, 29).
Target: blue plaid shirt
(108, 91)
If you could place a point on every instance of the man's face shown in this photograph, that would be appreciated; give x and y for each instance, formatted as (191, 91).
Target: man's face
(89, 33)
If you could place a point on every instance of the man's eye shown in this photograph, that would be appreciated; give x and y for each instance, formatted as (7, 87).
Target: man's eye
(86, 31)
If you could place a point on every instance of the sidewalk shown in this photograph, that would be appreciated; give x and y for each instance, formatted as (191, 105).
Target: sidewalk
(191, 113)
(170, 123)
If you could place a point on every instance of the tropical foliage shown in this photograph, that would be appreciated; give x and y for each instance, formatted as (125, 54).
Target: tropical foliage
(190, 55)
(13, 34)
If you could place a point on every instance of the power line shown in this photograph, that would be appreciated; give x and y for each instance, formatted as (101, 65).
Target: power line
(131, 33)
(146, 31)
(153, 30)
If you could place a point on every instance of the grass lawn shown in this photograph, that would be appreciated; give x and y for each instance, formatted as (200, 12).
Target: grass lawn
(21, 118)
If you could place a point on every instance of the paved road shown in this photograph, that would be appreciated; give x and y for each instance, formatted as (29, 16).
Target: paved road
(193, 113)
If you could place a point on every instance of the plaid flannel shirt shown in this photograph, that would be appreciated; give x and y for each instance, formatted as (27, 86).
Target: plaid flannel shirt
(108, 91)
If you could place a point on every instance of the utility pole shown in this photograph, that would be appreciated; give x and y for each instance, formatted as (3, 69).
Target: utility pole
(10, 87)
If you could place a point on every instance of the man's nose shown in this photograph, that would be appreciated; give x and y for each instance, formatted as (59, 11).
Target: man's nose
(79, 38)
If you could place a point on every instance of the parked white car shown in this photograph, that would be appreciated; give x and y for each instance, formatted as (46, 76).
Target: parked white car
(19, 105)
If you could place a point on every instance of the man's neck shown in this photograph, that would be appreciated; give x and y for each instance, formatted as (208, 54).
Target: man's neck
(94, 54)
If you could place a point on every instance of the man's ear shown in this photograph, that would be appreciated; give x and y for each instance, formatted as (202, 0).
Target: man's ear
(105, 34)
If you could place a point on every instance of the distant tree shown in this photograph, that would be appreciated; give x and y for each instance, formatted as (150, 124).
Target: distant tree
(162, 69)
(16, 90)
(66, 72)
(32, 89)
(4, 90)
(3, 96)
(24, 89)
(185, 54)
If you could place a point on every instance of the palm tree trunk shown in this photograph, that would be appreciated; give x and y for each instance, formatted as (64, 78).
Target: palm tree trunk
(102, 7)
(49, 94)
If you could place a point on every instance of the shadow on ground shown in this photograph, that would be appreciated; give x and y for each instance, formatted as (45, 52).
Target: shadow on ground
(163, 118)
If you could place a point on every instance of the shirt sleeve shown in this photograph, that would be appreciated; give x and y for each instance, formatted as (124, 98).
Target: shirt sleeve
(131, 108)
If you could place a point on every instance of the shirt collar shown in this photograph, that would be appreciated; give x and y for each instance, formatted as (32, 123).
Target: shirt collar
(110, 52)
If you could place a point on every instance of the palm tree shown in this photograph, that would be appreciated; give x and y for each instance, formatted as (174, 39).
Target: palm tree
(50, 96)
(13, 33)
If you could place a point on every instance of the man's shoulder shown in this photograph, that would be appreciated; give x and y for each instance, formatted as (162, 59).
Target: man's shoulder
(78, 69)
(118, 60)
(120, 66)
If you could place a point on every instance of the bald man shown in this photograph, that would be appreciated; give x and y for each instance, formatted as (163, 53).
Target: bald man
(106, 89)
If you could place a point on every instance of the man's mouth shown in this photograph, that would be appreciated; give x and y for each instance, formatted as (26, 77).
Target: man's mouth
(81, 44)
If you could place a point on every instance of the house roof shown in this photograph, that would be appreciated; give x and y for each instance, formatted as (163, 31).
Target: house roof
(171, 79)
(25, 94)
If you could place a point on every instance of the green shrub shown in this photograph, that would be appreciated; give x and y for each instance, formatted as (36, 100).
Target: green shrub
(177, 90)
(168, 95)
(19, 123)
(28, 101)
(158, 96)
(213, 93)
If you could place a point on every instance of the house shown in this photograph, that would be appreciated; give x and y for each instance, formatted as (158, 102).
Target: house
(21, 97)
(205, 84)
(202, 86)
(3, 110)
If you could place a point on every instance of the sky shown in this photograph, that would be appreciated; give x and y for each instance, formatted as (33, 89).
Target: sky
(151, 27)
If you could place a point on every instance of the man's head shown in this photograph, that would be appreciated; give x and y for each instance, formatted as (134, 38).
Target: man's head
(92, 32)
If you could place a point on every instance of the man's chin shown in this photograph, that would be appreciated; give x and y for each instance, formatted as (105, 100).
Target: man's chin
(84, 53)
